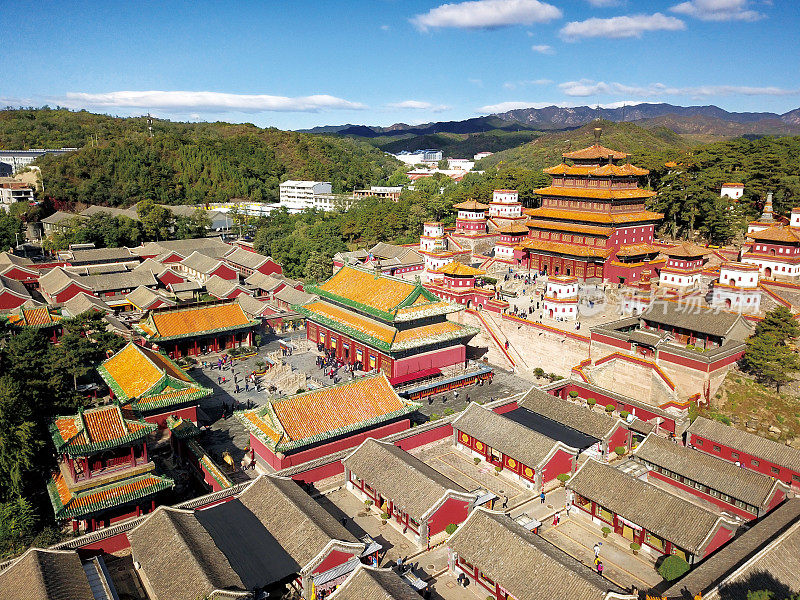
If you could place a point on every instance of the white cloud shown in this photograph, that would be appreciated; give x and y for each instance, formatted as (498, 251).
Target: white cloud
(587, 87)
(418, 105)
(620, 27)
(474, 81)
(718, 10)
(543, 49)
(512, 85)
(186, 101)
(385, 28)
(487, 14)
(603, 3)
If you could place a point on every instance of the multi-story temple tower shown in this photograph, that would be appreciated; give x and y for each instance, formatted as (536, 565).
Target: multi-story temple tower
(592, 221)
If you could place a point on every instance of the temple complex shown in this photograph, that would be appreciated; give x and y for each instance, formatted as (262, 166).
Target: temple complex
(151, 384)
(104, 472)
(386, 323)
(593, 221)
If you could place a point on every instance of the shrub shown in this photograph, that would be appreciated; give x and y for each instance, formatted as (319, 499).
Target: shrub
(573, 394)
(606, 531)
(591, 402)
(477, 460)
(624, 414)
(673, 567)
(451, 528)
(610, 408)
(539, 372)
(368, 503)
(385, 516)
(563, 477)
(620, 450)
(434, 417)
(448, 411)
(635, 547)
(498, 468)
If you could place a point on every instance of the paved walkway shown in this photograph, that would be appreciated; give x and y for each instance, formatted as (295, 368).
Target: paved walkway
(462, 469)
(577, 537)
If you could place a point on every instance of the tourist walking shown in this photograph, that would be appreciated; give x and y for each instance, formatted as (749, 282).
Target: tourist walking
(597, 550)
(541, 497)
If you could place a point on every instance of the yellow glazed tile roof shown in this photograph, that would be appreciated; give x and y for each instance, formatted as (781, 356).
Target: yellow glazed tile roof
(457, 268)
(572, 227)
(327, 409)
(381, 293)
(353, 320)
(471, 205)
(594, 217)
(418, 333)
(565, 248)
(595, 151)
(601, 194)
(199, 319)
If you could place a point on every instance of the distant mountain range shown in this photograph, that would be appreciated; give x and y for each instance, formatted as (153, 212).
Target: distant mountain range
(703, 121)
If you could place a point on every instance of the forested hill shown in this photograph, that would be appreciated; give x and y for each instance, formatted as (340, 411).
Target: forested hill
(183, 163)
(646, 146)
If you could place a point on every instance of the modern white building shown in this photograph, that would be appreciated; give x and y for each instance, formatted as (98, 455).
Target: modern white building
(301, 195)
(419, 157)
(12, 161)
(11, 192)
(460, 164)
(481, 155)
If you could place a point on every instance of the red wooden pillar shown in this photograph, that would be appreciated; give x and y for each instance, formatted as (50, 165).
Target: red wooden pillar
(195, 347)
(133, 456)
(177, 352)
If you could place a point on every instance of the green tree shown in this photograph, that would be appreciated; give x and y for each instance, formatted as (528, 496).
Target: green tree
(19, 439)
(769, 355)
(10, 231)
(157, 221)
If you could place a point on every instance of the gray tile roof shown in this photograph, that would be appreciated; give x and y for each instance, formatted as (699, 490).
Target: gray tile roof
(298, 522)
(669, 517)
(252, 306)
(263, 282)
(109, 282)
(512, 439)
(6, 258)
(57, 279)
(741, 484)
(200, 262)
(693, 317)
(109, 210)
(752, 444)
(580, 418)
(143, 297)
(179, 557)
(155, 267)
(58, 216)
(414, 486)
(713, 570)
(45, 575)
(245, 258)
(525, 564)
(82, 302)
(369, 583)
(293, 296)
(219, 287)
(93, 255)
(14, 286)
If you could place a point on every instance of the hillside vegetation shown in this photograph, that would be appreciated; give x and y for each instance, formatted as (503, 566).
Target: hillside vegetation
(183, 163)
(455, 145)
(545, 151)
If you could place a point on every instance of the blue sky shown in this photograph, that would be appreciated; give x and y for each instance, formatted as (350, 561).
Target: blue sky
(297, 64)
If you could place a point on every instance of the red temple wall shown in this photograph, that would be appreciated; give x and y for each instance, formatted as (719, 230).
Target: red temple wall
(9, 301)
(618, 438)
(225, 272)
(270, 267)
(561, 462)
(334, 559)
(425, 437)
(188, 412)
(319, 473)
(452, 511)
(435, 359)
(720, 538)
(109, 545)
